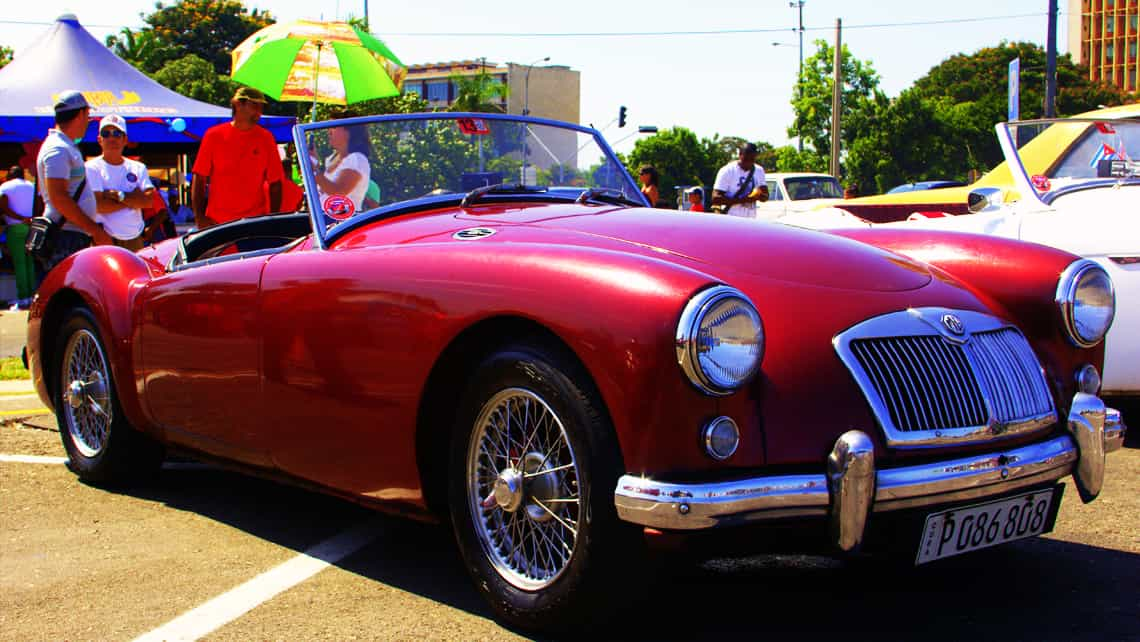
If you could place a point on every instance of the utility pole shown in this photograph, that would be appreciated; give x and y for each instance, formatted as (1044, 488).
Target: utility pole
(1051, 62)
(366, 25)
(836, 97)
(800, 76)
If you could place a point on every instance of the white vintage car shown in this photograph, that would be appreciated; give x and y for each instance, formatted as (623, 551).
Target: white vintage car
(1086, 201)
(794, 193)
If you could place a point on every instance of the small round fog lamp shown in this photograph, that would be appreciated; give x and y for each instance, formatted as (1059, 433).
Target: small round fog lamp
(721, 438)
(1088, 379)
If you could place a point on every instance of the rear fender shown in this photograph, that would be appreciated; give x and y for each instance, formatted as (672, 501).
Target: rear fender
(105, 280)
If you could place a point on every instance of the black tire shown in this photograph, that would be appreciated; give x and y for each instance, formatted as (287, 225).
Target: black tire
(102, 447)
(557, 592)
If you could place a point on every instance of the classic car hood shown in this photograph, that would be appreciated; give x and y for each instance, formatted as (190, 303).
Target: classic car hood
(718, 242)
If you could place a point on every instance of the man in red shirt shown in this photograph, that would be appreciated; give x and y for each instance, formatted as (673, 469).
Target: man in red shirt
(235, 158)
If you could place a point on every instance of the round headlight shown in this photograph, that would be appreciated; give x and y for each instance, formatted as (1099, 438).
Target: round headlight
(722, 437)
(720, 340)
(1087, 301)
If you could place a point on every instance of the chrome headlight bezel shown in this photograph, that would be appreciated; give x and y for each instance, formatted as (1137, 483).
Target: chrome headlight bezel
(1068, 288)
(689, 330)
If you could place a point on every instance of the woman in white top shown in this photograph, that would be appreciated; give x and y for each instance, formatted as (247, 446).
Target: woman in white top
(346, 169)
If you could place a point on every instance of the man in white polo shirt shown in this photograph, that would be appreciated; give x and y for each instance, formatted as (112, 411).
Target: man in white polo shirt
(740, 183)
(122, 186)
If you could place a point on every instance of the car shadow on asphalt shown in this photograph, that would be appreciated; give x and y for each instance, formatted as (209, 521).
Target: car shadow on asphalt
(1038, 589)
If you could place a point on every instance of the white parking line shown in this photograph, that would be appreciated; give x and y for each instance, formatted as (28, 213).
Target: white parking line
(234, 603)
(32, 459)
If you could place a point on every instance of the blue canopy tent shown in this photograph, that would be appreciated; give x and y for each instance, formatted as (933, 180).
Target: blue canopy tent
(66, 56)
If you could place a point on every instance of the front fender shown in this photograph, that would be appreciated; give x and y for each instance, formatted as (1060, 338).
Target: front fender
(105, 280)
(1017, 279)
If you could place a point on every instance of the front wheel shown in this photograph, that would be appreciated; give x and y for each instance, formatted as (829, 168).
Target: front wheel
(101, 446)
(534, 463)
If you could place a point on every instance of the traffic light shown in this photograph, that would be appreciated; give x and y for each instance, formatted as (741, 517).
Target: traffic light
(621, 116)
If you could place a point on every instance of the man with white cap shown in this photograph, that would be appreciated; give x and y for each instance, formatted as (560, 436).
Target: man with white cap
(63, 181)
(121, 185)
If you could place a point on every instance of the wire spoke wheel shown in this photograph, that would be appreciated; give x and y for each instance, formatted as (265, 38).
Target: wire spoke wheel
(523, 489)
(87, 408)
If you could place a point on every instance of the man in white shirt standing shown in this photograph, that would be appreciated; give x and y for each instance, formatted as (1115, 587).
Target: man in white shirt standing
(740, 183)
(122, 186)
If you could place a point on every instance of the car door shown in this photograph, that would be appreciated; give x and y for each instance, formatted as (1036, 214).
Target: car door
(200, 347)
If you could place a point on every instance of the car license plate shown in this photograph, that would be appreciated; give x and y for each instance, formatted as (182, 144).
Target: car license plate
(970, 528)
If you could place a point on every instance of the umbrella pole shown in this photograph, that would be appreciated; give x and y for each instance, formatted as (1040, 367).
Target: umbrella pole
(316, 73)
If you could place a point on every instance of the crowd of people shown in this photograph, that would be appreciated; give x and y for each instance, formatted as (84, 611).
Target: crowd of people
(739, 185)
(111, 200)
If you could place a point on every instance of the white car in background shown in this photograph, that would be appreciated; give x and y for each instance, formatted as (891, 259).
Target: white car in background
(1086, 201)
(790, 193)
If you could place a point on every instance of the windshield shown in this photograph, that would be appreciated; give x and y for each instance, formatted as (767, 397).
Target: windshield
(805, 188)
(361, 166)
(1072, 150)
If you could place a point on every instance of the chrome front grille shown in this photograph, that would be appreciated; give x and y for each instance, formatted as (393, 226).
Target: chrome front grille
(929, 385)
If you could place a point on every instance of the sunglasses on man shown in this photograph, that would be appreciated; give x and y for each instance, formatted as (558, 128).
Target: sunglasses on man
(111, 133)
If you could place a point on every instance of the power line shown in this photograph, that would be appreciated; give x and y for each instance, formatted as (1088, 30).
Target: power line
(637, 34)
(710, 32)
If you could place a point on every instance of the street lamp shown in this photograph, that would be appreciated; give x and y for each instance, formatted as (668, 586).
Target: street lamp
(526, 85)
(799, 4)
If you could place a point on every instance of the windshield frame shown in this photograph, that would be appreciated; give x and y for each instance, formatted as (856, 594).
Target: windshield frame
(1024, 183)
(322, 235)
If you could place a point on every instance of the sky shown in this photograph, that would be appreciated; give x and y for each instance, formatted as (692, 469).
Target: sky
(710, 66)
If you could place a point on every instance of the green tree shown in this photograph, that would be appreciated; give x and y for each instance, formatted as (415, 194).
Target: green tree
(209, 29)
(191, 76)
(679, 157)
(968, 93)
(6, 54)
(943, 126)
(812, 97)
(139, 48)
(480, 92)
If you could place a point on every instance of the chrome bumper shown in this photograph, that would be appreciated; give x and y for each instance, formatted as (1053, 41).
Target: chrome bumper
(852, 488)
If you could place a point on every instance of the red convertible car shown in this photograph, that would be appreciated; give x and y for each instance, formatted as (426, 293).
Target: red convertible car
(514, 343)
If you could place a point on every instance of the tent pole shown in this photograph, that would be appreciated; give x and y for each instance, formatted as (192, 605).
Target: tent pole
(316, 74)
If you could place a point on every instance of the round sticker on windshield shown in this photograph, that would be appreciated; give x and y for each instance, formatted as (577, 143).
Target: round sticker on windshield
(339, 207)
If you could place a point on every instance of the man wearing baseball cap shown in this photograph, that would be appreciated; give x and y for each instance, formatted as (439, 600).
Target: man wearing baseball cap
(234, 161)
(62, 180)
(121, 185)
(740, 183)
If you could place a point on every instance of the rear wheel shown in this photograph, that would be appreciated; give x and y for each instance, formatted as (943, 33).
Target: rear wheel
(101, 446)
(534, 464)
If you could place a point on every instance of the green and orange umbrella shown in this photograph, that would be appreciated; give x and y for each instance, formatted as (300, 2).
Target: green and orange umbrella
(327, 62)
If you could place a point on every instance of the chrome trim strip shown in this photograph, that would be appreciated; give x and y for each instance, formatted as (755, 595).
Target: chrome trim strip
(696, 506)
(1114, 430)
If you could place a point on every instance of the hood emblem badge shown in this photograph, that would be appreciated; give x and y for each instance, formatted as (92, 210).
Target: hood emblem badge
(953, 324)
(473, 233)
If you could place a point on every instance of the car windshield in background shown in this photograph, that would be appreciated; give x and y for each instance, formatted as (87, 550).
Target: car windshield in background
(359, 166)
(1092, 148)
(808, 187)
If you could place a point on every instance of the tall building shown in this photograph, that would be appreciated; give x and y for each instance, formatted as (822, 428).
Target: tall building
(1105, 35)
(552, 91)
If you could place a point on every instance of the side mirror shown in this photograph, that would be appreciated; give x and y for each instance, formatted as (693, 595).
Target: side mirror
(984, 199)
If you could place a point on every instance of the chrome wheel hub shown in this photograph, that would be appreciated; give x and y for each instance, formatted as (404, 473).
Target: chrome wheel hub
(509, 490)
(522, 488)
(86, 394)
